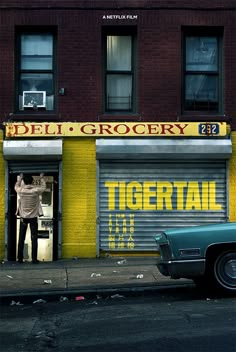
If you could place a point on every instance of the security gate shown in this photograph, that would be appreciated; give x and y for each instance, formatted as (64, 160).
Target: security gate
(138, 199)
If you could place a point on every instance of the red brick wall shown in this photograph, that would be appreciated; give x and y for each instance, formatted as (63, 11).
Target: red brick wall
(79, 53)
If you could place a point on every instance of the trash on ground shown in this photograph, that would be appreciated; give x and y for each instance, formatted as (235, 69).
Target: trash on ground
(99, 297)
(117, 296)
(47, 282)
(39, 334)
(94, 302)
(122, 261)
(9, 276)
(63, 299)
(139, 276)
(14, 303)
(79, 298)
(39, 301)
(94, 274)
(75, 258)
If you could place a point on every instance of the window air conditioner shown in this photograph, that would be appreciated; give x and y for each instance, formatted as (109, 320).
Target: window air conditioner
(34, 99)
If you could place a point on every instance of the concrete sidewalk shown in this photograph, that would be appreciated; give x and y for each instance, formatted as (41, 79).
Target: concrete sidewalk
(81, 276)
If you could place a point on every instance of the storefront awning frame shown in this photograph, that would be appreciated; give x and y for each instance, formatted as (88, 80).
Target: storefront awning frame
(32, 149)
(167, 149)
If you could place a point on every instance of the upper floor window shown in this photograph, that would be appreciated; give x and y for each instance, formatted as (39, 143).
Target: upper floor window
(202, 73)
(36, 72)
(119, 72)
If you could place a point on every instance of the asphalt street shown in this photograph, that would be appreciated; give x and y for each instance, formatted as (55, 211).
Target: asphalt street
(171, 319)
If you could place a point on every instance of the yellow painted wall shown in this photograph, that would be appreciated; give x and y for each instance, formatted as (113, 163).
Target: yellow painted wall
(232, 181)
(79, 198)
(2, 197)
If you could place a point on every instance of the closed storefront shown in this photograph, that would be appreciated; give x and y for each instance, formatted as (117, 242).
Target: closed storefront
(112, 190)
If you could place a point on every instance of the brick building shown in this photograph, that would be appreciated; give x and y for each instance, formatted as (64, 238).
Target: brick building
(129, 108)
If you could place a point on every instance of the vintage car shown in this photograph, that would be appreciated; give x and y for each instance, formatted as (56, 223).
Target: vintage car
(206, 254)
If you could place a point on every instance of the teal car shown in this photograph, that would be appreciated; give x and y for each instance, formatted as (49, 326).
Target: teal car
(205, 254)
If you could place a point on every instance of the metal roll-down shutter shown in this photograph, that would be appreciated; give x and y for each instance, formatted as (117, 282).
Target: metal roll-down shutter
(138, 199)
(17, 167)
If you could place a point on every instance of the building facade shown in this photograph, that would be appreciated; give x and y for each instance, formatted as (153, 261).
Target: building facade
(128, 107)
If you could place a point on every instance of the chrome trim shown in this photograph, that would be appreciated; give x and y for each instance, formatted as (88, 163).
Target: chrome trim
(189, 252)
(185, 261)
(230, 268)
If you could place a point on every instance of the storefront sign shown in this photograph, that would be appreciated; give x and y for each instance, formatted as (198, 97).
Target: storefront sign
(116, 129)
(162, 195)
(127, 202)
(121, 231)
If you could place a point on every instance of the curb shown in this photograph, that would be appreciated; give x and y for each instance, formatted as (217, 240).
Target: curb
(89, 293)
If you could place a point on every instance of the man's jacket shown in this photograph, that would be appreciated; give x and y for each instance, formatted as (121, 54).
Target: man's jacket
(28, 204)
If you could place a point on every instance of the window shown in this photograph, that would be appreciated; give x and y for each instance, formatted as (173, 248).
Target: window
(202, 73)
(119, 71)
(36, 72)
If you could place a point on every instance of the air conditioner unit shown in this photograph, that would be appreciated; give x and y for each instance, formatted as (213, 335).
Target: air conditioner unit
(34, 99)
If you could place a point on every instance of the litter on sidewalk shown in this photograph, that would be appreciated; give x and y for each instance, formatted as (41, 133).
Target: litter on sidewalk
(14, 303)
(80, 298)
(117, 296)
(74, 278)
(39, 301)
(63, 299)
(96, 275)
(120, 262)
(139, 276)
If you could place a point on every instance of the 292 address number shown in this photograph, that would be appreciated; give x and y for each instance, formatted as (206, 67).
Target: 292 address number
(208, 128)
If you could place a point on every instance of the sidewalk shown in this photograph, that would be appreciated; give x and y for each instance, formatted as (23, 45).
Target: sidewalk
(81, 276)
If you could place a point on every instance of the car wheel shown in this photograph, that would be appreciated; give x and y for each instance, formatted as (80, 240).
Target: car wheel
(225, 271)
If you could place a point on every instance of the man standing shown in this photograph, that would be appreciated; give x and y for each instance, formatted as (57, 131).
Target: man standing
(29, 208)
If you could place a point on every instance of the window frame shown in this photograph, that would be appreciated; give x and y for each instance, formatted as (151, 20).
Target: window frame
(216, 32)
(18, 71)
(120, 31)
